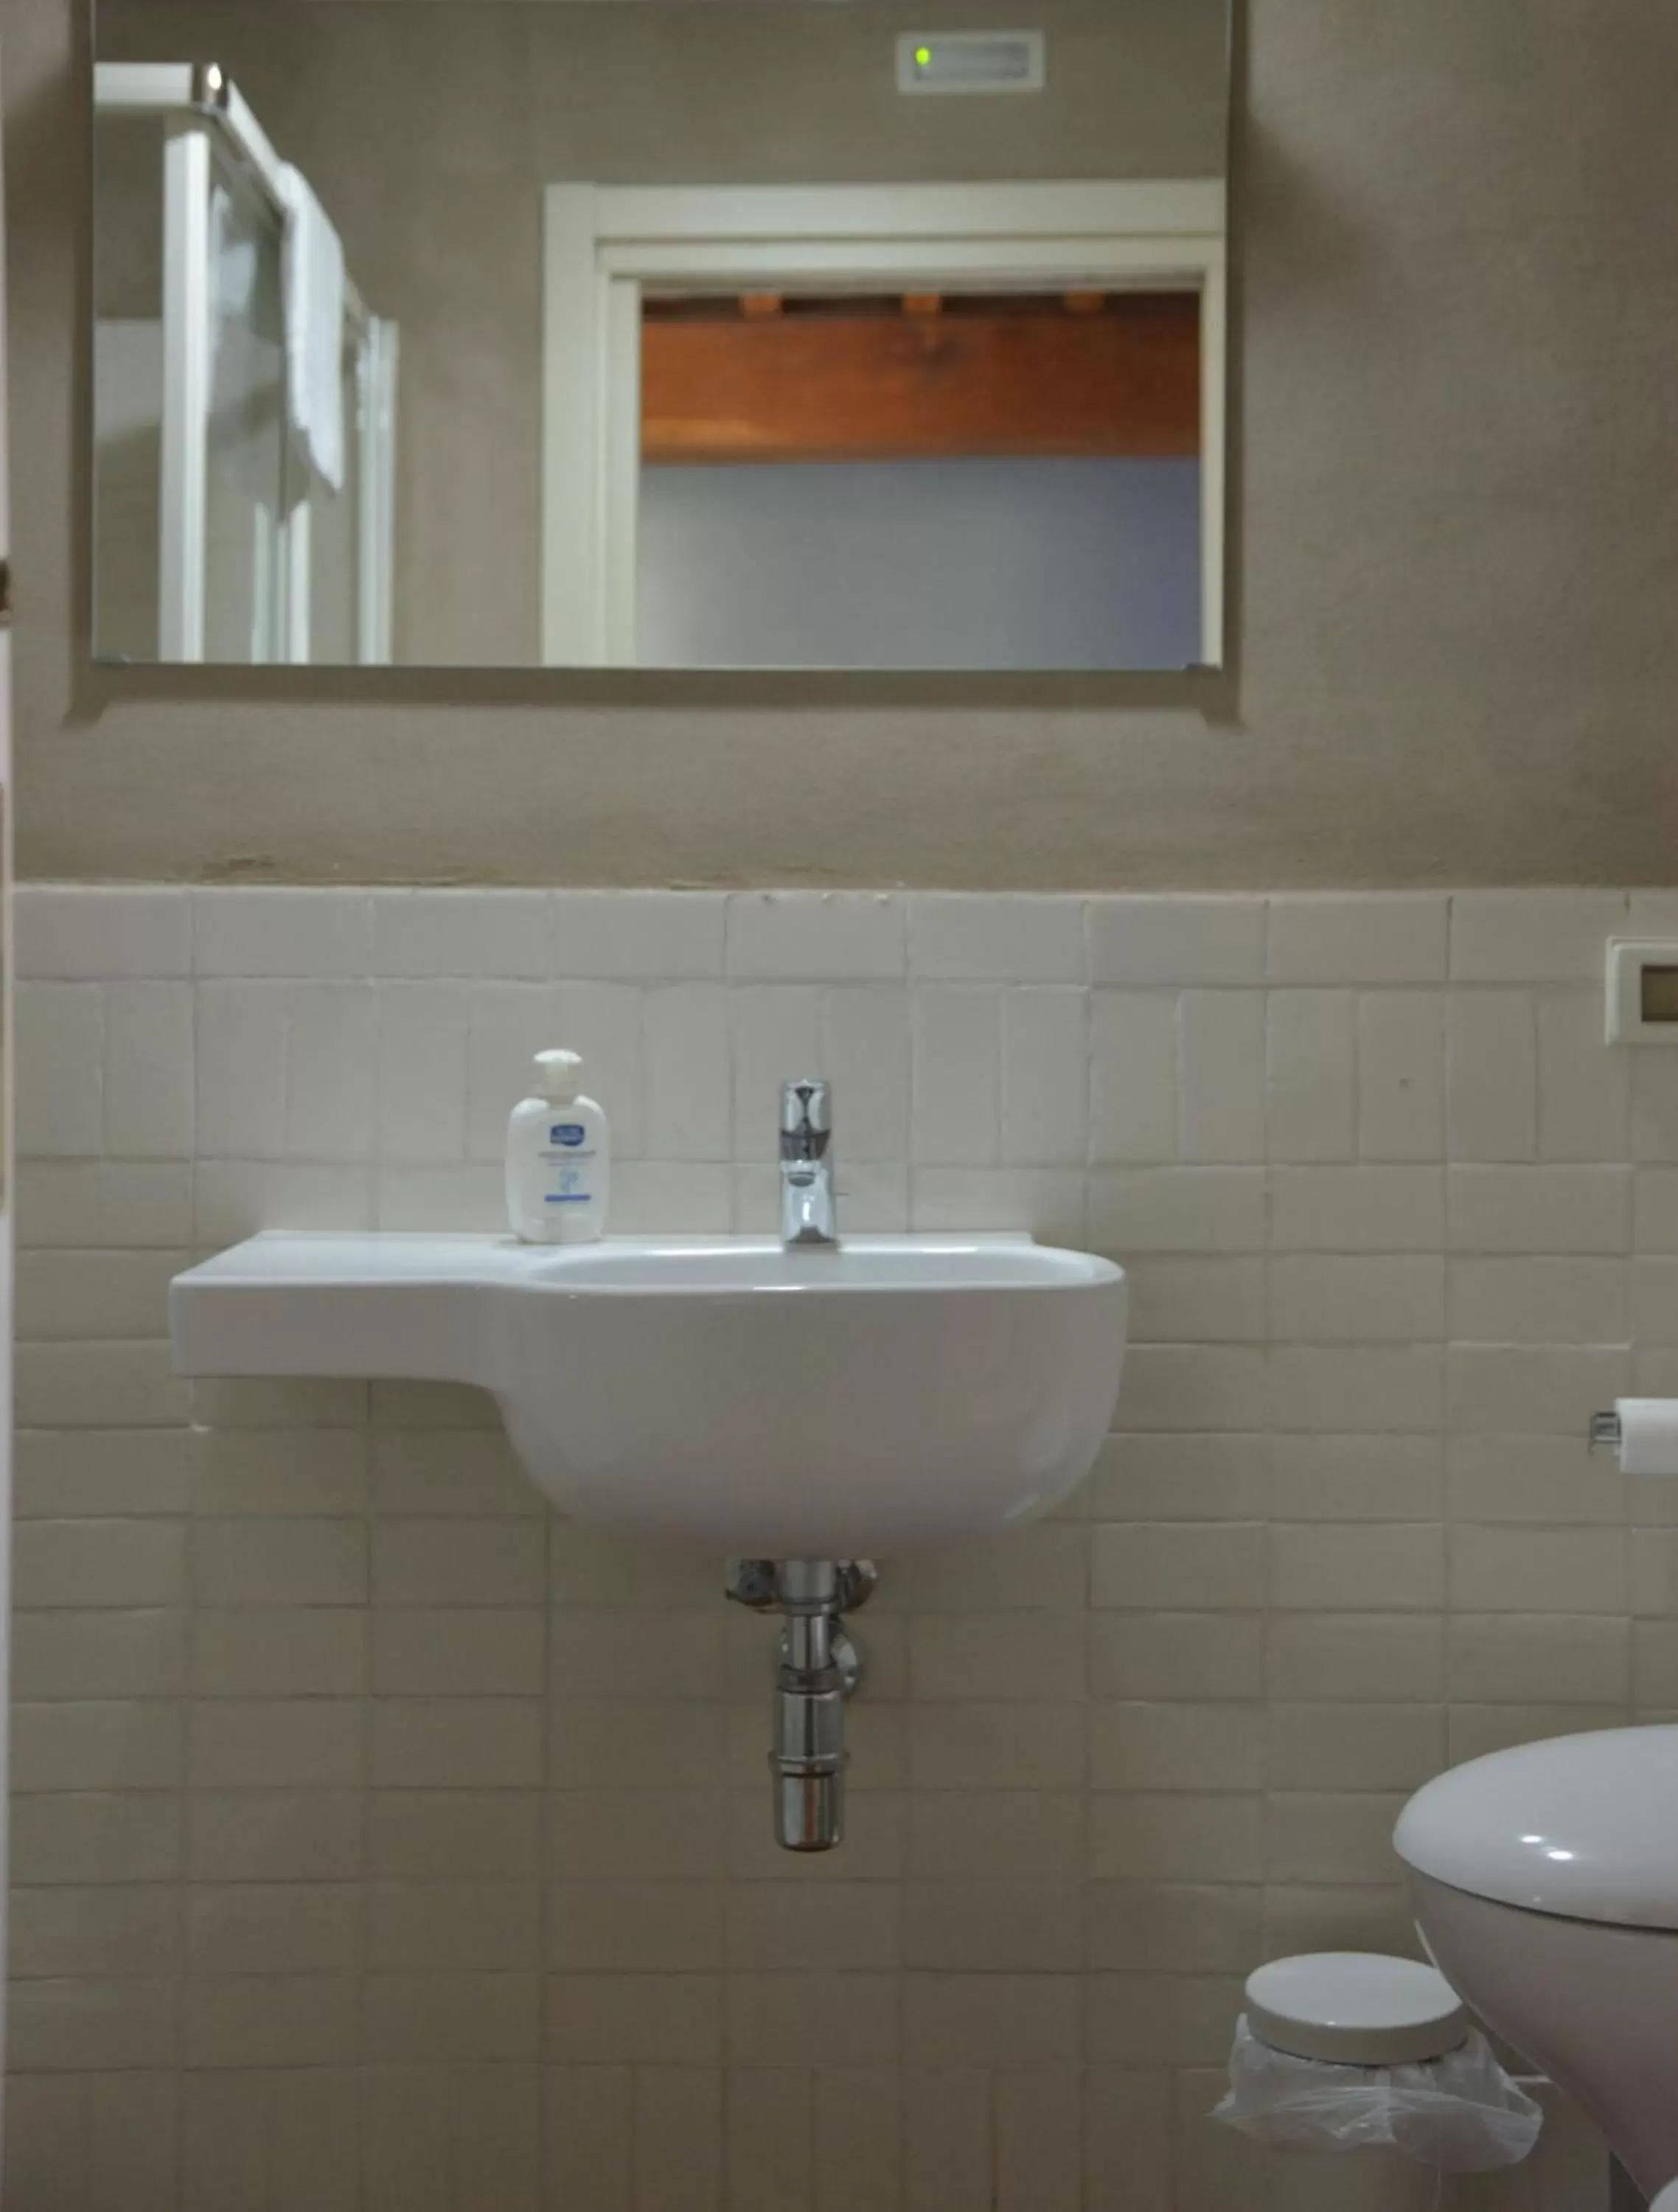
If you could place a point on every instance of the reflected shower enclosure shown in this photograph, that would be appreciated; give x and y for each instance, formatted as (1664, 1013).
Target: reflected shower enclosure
(223, 535)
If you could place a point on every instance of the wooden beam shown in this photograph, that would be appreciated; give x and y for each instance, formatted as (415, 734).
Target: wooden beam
(879, 386)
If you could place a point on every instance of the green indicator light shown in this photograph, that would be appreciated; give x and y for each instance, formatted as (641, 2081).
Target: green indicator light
(923, 58)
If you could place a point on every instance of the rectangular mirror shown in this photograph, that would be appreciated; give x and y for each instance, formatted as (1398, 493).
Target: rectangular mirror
(660, 333)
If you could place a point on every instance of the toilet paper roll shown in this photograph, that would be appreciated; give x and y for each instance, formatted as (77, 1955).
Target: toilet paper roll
(1648, 1435)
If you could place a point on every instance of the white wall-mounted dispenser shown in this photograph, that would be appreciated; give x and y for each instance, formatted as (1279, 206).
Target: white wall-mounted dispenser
(558, 1159)
(1643, 991)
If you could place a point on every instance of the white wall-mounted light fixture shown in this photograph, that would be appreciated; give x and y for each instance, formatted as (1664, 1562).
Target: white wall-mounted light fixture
(972, 61)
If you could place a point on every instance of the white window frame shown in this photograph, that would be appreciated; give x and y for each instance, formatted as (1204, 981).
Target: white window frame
(602, 246)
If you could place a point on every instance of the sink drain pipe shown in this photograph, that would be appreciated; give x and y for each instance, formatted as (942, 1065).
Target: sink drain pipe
(819, 1668)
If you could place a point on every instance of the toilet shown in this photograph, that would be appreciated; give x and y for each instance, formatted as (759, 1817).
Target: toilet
(1545, 1883)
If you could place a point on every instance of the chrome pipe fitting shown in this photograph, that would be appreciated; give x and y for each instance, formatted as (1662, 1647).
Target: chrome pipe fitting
(819, 1668)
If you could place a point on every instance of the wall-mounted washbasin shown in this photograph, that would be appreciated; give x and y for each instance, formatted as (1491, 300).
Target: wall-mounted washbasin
(797, 1407)
(896, 1394)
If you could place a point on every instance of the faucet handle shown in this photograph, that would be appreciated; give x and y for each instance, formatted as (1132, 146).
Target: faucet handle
(807, 1107)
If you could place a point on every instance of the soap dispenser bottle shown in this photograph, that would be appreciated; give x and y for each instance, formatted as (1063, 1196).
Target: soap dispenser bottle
(558, 1159)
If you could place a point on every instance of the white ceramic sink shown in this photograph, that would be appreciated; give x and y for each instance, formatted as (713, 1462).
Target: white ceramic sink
(898, 1393)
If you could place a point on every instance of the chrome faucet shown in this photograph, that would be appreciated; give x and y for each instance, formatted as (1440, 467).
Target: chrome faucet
(809, 1215)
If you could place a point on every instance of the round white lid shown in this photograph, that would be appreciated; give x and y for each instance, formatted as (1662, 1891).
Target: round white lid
(1581, 1826)
(1355, 2009)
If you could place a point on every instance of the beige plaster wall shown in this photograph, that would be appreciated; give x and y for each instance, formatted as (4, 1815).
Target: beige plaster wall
(1457, 532)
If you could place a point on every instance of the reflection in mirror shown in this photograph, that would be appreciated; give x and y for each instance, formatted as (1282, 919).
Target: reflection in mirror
(837, 474)
(753, 333)
(244, 417)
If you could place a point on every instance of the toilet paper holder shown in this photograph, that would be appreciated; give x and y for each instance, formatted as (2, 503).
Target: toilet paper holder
(1641, 1432)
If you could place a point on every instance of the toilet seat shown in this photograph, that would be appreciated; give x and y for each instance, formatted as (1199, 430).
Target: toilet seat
(1580, 1826)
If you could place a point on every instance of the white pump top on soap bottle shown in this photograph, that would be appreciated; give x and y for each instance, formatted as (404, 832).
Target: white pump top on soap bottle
(558, 1157)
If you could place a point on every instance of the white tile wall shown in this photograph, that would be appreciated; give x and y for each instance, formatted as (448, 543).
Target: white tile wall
(383, 1842)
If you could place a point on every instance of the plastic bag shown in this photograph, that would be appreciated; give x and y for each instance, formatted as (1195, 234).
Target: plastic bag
(1458, 2114)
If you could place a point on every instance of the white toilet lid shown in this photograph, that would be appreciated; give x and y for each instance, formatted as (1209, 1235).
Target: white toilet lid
(1582, 1826)
(1355, 2009)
